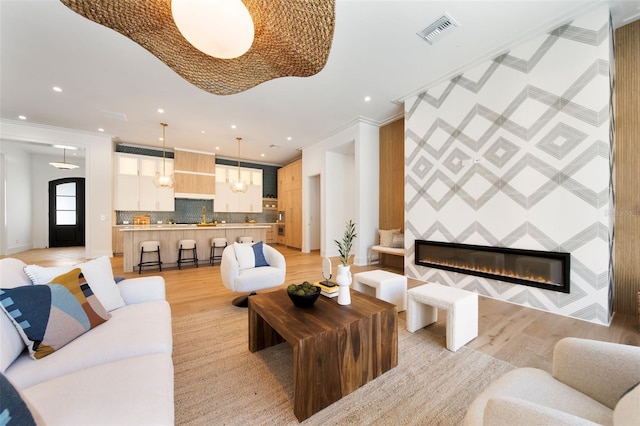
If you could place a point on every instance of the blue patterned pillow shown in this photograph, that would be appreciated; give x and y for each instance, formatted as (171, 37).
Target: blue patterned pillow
(259, 254)
(51, 315)
(13, 409)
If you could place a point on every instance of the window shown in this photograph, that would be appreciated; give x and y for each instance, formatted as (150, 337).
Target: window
(66, 204)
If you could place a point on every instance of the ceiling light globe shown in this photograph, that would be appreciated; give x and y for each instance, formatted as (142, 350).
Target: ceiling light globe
(220, 28)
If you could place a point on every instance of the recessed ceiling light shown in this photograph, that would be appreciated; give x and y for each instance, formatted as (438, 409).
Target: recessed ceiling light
(100, 129)
(160, 110)
(261, 155)
(288, 138)
(22, 117)
(233, 126)
(160, 139)
(367, 98)
(203, 132)
(217, 148)
(57, 89)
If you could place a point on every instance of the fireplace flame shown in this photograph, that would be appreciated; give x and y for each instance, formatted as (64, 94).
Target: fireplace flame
(493, 271)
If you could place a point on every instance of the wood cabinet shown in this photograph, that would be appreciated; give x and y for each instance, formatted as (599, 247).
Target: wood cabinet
(134, 188)
(272, 234)
(290, 201)
(228, 201)
(195, 174)
(117, 241)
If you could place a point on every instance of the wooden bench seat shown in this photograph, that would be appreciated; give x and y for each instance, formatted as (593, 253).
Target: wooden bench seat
(384, 250)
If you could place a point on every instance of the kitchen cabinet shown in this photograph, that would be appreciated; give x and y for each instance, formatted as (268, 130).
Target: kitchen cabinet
(290, 201)
(134, 188)
(195, 174)
(229, 201)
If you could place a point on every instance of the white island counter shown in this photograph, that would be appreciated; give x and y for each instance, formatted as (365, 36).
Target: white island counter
(169, 235)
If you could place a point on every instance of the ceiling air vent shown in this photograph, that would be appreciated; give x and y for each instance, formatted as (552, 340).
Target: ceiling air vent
(442, 26)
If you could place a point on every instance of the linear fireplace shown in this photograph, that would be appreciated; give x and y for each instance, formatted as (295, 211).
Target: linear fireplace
(542, 269)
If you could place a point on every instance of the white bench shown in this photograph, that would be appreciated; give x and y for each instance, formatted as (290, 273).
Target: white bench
(384, 250)
(383, 285)
(461, 306)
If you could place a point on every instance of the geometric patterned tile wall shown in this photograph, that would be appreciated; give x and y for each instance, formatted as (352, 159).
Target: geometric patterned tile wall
(516, 152)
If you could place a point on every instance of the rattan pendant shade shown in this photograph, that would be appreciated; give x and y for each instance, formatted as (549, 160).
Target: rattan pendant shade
(292, 38)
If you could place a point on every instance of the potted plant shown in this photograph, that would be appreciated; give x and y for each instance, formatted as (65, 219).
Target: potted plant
(344, 273)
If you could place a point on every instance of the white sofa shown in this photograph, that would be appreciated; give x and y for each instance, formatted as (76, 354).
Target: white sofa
(118, 373)
(592, 383)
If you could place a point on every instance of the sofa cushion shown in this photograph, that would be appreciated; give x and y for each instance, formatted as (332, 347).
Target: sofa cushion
(98, 273)
(397, 240)
(50, 316)
(258, 254)
(386, 236)
(250, 255)
(134, 391)
(14, 406)
(11, 344)
(131, 331)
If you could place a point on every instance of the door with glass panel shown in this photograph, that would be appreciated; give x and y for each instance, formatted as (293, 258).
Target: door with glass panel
(66, 212)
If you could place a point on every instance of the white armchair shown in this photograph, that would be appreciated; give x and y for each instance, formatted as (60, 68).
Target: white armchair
(243, 280)
(586, 386)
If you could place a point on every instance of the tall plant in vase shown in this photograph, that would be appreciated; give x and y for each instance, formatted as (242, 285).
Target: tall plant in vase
(344, 270)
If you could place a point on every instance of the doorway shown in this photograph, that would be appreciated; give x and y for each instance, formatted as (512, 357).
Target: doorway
(314, 213)
(66, 212)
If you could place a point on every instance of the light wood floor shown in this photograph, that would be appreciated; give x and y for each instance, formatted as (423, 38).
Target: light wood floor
(518, 335)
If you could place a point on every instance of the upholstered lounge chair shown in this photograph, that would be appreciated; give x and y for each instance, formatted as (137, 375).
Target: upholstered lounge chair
(238, 275)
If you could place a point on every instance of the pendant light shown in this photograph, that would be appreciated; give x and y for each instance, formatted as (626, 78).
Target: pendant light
(237, 185)
(64, 165)
(164, 180)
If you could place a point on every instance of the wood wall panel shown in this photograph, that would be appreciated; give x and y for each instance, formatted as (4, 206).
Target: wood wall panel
(391, 195)
(194, 184)
(627, 163)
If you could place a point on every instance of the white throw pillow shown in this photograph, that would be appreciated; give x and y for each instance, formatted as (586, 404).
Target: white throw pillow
(97, 272)
(386, 235)
(244, 255)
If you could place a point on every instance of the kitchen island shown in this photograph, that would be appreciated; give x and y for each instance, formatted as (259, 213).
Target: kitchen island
(169, 235)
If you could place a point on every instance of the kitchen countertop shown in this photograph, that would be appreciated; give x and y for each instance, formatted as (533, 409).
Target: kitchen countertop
(177, 227)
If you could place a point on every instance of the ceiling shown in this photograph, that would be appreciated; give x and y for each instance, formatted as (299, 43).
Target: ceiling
(110, 82)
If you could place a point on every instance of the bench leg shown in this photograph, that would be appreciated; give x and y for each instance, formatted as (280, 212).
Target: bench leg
(419, 315)
(462, 323)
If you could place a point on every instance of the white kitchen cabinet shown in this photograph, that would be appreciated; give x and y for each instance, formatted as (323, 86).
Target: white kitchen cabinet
(134, 183)
(229, 201)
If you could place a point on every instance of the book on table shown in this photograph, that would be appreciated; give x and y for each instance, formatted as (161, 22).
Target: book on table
(327, 290)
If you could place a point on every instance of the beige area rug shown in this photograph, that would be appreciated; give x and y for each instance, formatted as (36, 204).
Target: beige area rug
(219, 382)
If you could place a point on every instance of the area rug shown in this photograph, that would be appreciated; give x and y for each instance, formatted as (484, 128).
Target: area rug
(219, 382)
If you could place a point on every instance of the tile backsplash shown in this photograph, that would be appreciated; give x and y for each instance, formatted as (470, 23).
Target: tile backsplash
(190, 211)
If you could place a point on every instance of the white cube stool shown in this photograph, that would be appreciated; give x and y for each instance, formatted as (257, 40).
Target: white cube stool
(388, 286)
(461, 306)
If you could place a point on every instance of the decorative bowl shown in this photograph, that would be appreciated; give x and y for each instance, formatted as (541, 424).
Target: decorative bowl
(306, 300)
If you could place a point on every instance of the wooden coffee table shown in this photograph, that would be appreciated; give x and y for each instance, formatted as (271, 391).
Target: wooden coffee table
(336, 349)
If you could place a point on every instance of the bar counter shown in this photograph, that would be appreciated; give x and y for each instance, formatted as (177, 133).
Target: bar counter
(169, 235)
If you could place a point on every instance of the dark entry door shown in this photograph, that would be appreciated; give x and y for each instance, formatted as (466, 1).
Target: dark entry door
(66, 212)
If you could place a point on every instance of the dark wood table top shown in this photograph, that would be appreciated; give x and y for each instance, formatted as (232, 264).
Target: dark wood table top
(295, 323)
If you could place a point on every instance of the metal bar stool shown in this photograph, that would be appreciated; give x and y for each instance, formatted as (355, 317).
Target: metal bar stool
(217, 243)
(245, 240)
(147, 247)
(187, 245)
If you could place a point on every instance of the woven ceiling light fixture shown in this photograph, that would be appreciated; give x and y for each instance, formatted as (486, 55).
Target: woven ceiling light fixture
(291, 38)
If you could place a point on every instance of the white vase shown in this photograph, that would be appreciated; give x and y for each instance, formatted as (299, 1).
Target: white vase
(344, 281)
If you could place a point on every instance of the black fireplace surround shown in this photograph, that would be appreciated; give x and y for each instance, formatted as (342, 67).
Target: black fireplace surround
(543, 269)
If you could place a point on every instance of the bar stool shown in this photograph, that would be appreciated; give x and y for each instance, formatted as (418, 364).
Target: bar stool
(217, 243)
(147, 247)
(187, 245)
(245, 240)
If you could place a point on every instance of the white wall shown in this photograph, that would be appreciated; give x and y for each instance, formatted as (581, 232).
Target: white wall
(347, 162)
(98, 185)
(16, 231)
